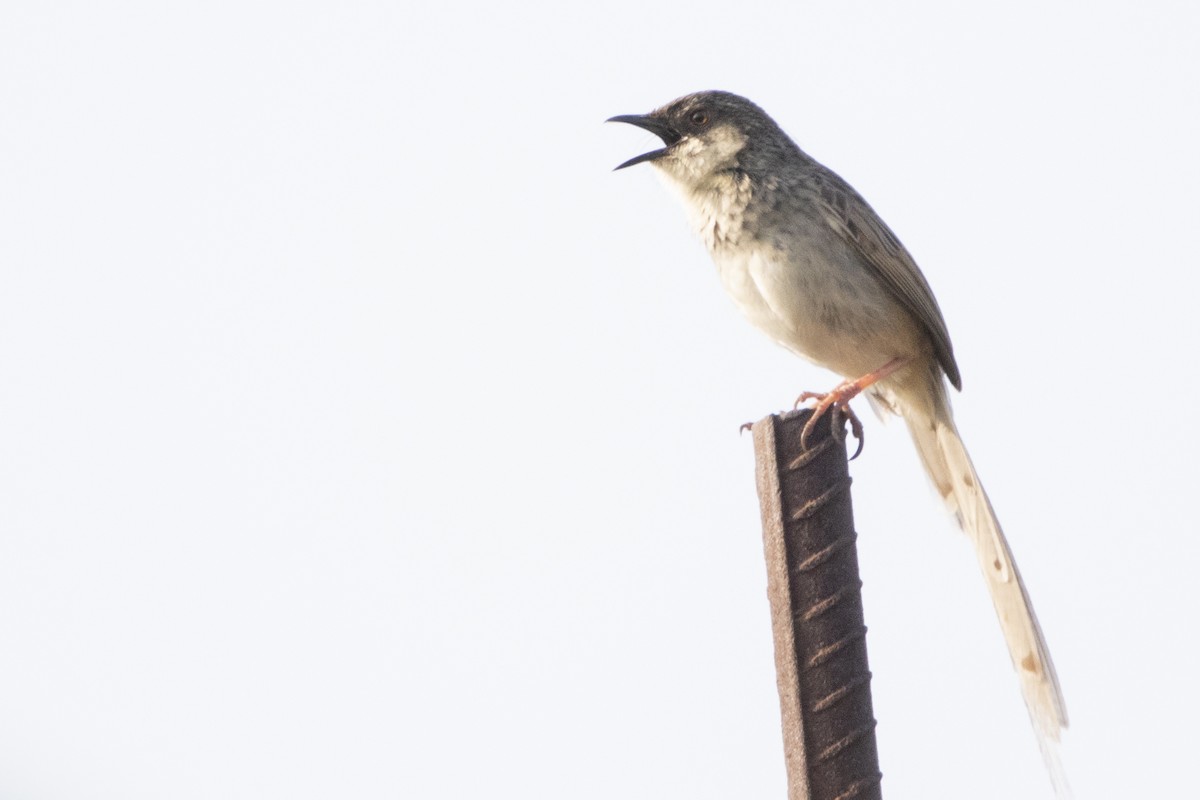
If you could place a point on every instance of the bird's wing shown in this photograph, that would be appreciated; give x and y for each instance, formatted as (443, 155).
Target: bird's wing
(848, 214)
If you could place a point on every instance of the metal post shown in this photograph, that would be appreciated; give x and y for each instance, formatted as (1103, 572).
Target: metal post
(816, 611)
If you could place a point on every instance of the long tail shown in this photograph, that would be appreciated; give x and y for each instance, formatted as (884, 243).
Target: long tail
(950, 468)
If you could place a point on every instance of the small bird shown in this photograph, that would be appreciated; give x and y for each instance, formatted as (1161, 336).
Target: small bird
(814, 267)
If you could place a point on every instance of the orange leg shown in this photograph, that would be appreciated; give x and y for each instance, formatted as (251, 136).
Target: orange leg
(839, 399)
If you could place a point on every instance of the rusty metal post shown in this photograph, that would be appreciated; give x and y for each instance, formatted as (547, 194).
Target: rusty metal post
(816, 611)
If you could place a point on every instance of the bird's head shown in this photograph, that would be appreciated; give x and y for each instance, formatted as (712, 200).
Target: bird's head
(705, 134)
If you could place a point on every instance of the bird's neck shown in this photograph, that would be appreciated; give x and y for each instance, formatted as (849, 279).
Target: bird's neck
(717, 208)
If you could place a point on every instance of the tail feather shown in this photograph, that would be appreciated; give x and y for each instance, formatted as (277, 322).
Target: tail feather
(949, 467)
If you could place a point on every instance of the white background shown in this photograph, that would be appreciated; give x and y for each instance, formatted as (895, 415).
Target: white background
(362, 435)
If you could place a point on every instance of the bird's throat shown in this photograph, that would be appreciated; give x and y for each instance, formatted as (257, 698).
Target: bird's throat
(717, 209)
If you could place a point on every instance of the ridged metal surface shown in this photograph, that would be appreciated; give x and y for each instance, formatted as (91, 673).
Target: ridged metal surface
(816, 612)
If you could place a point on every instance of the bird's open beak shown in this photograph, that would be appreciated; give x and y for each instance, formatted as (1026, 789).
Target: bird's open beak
(655, 126)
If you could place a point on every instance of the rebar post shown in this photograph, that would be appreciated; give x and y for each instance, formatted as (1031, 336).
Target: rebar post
(816, 611)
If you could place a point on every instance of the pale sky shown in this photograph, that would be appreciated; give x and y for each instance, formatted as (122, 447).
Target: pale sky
(363, 435)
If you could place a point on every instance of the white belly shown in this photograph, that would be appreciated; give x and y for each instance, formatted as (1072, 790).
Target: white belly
(837, 316)
(817, 299)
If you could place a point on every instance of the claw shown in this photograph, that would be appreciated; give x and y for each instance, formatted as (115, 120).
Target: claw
(856, 430)
(841, 412)
(839, 401)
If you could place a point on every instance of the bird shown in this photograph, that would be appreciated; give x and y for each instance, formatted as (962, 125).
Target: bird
(811, 264)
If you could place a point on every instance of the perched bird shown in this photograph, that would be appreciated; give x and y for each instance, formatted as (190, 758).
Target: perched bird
(815, 268)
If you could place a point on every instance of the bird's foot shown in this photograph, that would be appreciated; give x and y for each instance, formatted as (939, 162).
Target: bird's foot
(839, 401)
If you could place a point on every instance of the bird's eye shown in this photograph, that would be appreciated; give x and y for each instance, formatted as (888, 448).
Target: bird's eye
(699, 118)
